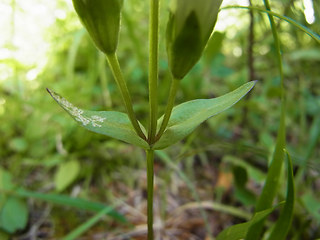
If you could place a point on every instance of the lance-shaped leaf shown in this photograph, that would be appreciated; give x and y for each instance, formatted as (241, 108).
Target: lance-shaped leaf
(113, 124)
(283, 224)
(239, 231)
(187, 116)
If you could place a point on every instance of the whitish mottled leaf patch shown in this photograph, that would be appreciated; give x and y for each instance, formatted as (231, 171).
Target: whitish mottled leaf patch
(113, 124)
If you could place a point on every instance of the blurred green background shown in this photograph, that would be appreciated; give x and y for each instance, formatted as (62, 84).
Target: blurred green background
(43, 45)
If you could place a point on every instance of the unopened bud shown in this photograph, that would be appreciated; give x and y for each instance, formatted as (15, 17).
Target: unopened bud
(190, 25)
(101, 18)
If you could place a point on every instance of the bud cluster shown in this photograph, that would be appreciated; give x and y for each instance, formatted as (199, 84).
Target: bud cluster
(189, 27)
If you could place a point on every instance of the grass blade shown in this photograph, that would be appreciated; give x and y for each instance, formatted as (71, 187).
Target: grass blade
(239, 231)
(283, 224)
(87, 225)
(71, 202)
(270, 188)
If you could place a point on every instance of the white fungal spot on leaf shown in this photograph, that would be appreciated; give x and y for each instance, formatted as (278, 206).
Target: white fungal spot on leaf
(77, 113)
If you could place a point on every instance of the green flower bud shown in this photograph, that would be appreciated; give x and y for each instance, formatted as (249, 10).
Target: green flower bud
(101, 18)
(190, 25)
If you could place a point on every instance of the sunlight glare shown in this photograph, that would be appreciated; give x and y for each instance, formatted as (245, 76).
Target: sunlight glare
(309, 11)
(230, 17)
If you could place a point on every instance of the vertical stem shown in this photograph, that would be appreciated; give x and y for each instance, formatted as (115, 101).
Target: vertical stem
(172, 96)
(153, 67)
(150, 159)
(277, 46)
(116, 70)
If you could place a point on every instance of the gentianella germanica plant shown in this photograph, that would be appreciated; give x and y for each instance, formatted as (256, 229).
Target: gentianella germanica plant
(189, 27)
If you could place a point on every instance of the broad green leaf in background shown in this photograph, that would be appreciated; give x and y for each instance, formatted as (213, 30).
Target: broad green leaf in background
(113, 124)
(14, 215)
(283, 224)
(66, 174)
(187, 116)
(312, 205)
(244, 195)
(255, 173)
(5, 181)
(13, 211)
(239, 231)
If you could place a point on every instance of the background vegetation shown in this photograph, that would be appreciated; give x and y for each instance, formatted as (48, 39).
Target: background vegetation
(222, 164)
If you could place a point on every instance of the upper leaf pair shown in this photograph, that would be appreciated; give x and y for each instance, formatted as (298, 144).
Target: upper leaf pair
(184, 119)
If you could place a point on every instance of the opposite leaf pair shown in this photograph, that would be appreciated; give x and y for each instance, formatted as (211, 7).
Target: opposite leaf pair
(184, 119)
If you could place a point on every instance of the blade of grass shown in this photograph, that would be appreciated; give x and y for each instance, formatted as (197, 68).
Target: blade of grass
(72, 54)
(70, 202)
(238, 231)
(283, 224)
(312, 34)
(87, 225)
(270, 188)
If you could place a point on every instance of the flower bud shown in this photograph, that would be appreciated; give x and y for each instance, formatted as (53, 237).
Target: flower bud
(101, 18)
(190, 25)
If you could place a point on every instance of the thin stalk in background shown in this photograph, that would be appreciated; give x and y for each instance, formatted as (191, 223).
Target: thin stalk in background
(287, 19)
(266, 198)
(153, 68)
(116, 70)
(150, 172)
(270, 188)
(107, 101)
(173, 92)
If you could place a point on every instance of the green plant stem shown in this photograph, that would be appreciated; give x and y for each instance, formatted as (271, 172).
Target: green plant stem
(153, 68)
(270, 188)
(150, 159)
(172, 96)
(116, 70)
(277, 46)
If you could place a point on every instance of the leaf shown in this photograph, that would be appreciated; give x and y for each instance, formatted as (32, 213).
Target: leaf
(66, 174)
(239, 231)
(13, 211)
(113, 124)
(270, 187)
(5, 180)
(84, 227)
(64, 200)
(283, 224)
(187, 116)
(14, 215)
(312, 205)
(244, 195)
